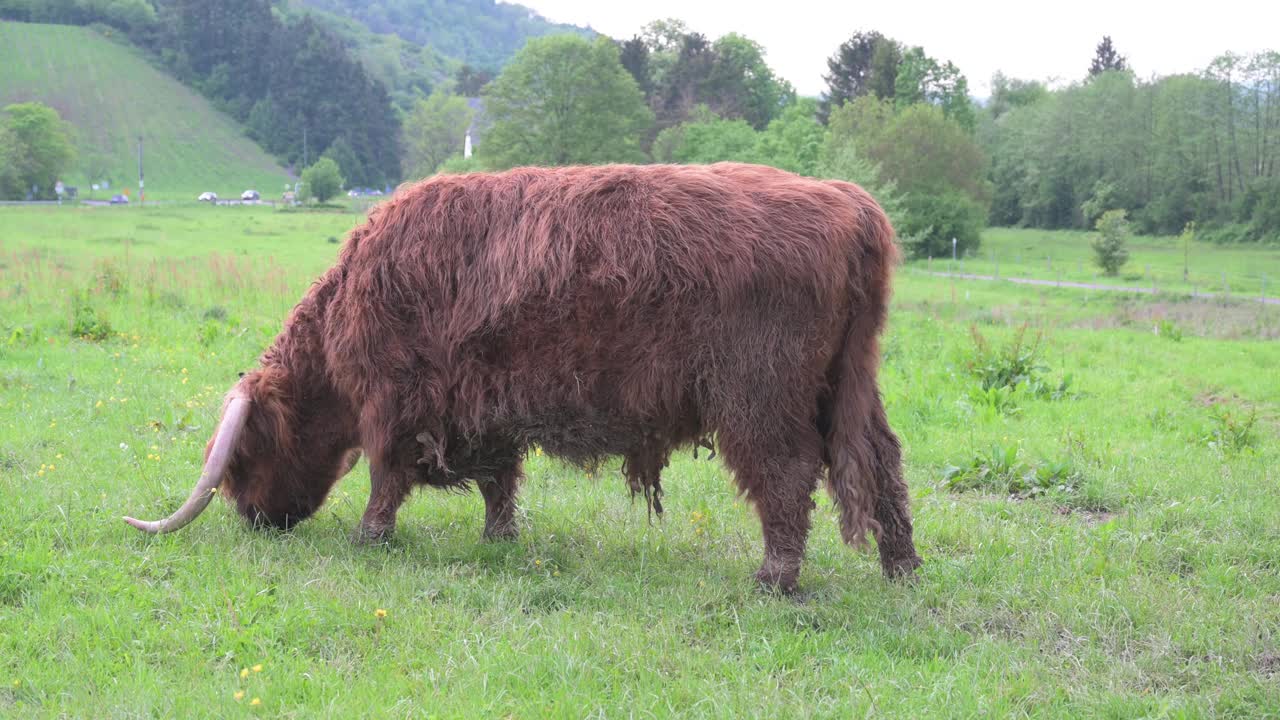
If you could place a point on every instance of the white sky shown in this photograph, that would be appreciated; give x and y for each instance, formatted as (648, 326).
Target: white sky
(1028, 39)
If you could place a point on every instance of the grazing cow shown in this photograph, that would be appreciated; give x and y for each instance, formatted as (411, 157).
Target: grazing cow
(594, 312)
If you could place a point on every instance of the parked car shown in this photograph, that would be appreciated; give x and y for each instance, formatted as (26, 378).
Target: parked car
(119, 199)
(249, 195)
(208, 197)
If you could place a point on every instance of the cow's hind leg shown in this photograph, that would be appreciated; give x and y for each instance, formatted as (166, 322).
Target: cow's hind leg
(500, 502)
(779, 479)
(898, 556)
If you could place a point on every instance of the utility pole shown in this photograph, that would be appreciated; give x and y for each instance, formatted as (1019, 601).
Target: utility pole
(142, 195)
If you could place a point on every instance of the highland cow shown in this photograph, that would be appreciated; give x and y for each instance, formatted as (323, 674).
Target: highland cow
(594, 312)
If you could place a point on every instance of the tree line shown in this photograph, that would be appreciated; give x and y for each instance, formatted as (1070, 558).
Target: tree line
(1199, 148)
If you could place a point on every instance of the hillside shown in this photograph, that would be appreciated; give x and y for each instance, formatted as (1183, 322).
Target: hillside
(482, 33)
(111, 95)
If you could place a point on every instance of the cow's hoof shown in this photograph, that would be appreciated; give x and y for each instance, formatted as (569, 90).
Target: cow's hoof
(372, 534)
(778, 580)
(501, 533)
(903, 568)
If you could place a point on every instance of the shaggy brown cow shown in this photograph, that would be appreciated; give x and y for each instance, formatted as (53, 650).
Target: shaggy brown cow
(593, 311)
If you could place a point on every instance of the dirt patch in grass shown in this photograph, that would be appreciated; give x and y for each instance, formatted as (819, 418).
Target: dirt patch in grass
(1213, 399)
(1203, 318)
(1088, 517)
(1268, 664)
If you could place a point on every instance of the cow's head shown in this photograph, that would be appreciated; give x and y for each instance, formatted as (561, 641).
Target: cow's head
(278, 450)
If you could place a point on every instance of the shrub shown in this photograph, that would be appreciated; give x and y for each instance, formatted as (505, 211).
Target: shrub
(1232, 432)
(1000, 470)
(86, 321)
(1108, 245)
(931, 221)
(322, 180)
(1013, 366)
(1168, 330)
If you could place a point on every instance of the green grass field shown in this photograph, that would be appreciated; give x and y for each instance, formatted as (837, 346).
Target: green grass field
(1153, 262)
(1108, 546)
(112, 95)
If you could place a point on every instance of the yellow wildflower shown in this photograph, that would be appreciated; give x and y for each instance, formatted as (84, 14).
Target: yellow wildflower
(255, 702)
(239, 695)
(99, 404)
(244, 673)
(257, 668)
(379, 613)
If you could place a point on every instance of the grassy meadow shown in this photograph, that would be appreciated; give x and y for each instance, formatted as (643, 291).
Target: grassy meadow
(1101, 540)
(1159, 262)
(111, 95)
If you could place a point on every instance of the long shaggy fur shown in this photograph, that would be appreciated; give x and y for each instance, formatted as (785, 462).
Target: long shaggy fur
(599, 311)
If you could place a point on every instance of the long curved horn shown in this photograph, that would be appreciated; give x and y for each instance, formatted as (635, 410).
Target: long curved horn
(224, 443)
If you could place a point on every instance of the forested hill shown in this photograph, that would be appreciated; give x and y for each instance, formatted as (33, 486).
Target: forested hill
(481, 33)
(111, 95)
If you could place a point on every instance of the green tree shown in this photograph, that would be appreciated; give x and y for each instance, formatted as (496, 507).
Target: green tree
(932, 220)
(1108, 245)
(322, 180)
(921, 79)
(37, 148)
(865, 64)
(341, 152)
(10, 185)
(435, 130)
(469, 81)
(742, 85)
(1009, 93)
(564, 100)
(706, 139)
(936, 165)
(923, 150)
(1105, 58)
(794, 140)
(634, 56)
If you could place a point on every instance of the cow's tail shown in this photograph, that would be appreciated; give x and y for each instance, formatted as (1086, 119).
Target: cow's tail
(850, 445)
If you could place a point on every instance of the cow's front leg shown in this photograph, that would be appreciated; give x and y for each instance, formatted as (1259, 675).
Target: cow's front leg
(389, 486)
